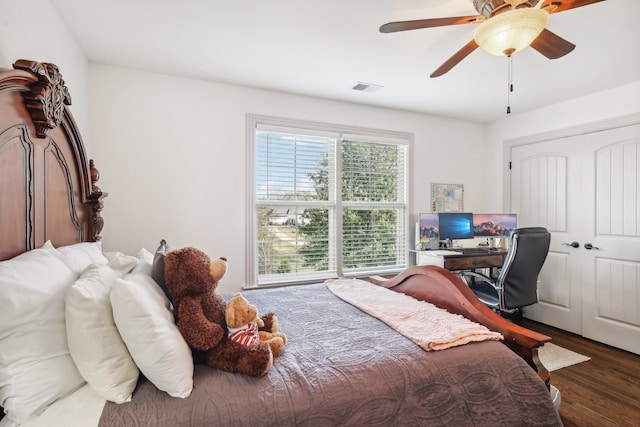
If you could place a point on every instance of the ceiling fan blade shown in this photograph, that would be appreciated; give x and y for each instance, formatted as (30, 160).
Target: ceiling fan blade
(555, 6)
(455, 59)
(393, 27)
(552, 45)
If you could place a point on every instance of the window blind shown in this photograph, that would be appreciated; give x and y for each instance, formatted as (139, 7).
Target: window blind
(326, 203)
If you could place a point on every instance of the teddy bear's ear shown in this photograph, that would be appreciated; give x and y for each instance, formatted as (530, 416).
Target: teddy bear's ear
(218, 268)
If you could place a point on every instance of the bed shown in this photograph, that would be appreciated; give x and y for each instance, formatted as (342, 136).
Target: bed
(341, 366)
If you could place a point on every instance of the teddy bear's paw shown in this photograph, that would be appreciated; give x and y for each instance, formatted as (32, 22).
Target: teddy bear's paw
(266, 336)
(205, 337)
(256, 361)
(281, 335)
(277, 346)
(210, 335)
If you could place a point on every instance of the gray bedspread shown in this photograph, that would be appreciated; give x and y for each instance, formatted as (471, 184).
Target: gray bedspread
(342, 367)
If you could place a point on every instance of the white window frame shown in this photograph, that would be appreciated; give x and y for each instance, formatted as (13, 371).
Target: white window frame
(261, 123)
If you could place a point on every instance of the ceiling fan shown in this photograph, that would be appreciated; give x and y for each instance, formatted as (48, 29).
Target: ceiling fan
(505, 27)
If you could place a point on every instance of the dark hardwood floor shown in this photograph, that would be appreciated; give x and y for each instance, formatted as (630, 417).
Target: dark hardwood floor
(604, 391)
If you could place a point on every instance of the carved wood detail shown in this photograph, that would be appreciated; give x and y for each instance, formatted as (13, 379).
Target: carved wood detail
(49, 186)
(96, 200)
(46, 98)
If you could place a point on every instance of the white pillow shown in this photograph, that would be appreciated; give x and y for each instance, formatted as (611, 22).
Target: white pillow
(121, 262)
(145, 261)
(35, 365)
(94, 342)
(141, 312)
(81, 255)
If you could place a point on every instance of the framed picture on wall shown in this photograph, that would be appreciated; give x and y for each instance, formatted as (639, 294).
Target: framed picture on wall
(447, 197)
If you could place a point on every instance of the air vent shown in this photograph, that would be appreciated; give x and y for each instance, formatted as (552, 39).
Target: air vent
(366, 87)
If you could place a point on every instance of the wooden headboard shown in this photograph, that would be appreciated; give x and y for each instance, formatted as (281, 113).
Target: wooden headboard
(47, 186)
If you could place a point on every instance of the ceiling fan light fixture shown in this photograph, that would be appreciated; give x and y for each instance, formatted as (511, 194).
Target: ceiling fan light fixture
(511, 31)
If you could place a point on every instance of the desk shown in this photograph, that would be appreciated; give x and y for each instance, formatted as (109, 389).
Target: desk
(452, 260)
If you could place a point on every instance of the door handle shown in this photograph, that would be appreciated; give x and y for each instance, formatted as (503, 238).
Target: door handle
(589, 246)
(575, 245)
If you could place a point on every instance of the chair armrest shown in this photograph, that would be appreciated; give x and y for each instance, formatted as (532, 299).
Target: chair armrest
(482, 278)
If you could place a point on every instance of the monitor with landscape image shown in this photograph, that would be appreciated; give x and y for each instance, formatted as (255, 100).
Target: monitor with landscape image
(494, 225)
(427, 226)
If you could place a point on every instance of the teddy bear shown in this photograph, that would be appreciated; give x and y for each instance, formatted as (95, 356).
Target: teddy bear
(192, 278)
(243, 323)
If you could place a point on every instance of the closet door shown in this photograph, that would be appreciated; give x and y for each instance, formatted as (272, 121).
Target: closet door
(611, 275)
(585, 189)
(546, 191)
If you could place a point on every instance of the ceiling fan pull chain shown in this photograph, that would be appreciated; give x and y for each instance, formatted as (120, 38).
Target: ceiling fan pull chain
(510, 82)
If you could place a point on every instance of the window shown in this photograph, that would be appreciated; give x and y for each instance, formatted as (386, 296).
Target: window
(325, 201)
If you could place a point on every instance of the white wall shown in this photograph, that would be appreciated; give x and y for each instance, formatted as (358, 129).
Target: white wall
(171, 152)
(32, 29)
(577, 113)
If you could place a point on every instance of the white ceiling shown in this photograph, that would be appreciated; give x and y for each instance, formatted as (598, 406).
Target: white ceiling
(323, 48)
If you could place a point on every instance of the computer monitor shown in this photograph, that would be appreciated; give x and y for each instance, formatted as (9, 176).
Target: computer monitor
(427, 226)
(455, 225)
(494, 225)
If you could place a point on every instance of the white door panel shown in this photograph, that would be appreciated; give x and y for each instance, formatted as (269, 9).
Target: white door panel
(585, 189)
(556, 271)
(541, 195)
(558, 305)
(611, 300)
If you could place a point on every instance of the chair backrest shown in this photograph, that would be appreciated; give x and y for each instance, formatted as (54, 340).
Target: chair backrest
(518, 278)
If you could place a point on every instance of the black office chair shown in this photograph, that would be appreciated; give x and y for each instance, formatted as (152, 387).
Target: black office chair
(517, 283)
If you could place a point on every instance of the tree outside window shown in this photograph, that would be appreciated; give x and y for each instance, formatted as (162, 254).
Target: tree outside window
(328, 204)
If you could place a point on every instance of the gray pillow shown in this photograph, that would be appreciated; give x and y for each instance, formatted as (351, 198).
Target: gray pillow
(157, 268)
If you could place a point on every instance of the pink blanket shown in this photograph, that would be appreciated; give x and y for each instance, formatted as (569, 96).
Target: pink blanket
(425, 324)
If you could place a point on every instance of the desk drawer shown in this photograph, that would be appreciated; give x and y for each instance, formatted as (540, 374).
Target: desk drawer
(471, 262)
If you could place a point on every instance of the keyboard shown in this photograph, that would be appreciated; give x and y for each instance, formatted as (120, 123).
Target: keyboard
(474, 250)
